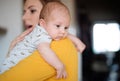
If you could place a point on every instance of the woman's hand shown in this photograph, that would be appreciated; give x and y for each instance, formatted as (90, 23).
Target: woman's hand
(19, 38)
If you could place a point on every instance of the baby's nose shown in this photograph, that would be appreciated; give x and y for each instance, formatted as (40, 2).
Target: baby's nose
(62, 31)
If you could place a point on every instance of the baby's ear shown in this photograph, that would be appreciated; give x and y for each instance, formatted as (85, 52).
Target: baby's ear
(42, 22)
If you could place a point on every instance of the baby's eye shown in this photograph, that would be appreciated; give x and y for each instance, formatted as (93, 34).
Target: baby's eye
(66, 28)
(57, 26)
(33, 11)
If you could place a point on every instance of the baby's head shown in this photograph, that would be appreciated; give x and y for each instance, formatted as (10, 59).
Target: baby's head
(55, 18)
(54, 8)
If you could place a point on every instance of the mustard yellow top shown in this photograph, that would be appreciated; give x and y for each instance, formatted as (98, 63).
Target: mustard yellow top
(34, 68)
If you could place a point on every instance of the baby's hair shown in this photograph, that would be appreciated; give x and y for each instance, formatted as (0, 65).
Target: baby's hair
(51, 6)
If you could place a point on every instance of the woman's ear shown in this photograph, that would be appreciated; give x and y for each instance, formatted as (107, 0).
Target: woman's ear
(42, 22)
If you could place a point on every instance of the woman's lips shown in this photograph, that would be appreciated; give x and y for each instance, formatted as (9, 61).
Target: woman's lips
(28, 26)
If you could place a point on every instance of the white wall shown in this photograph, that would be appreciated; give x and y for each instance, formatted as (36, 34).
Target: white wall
(10, 18)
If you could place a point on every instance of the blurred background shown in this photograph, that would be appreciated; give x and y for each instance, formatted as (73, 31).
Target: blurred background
(95, 22)
(99, 23)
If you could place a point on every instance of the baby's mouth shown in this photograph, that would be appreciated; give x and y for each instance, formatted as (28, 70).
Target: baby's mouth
(58, 38)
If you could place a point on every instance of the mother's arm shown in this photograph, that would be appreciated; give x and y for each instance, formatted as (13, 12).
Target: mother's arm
(34, 68)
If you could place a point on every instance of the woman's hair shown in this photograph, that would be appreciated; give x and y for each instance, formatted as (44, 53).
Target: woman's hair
(43, 1)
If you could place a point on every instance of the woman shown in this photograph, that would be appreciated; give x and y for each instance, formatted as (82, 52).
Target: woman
(34, 68)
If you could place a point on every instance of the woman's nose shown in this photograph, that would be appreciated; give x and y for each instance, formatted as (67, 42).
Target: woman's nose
(25, 16)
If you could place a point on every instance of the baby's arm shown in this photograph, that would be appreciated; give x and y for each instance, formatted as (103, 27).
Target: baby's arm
(78, 43)
(51, 58)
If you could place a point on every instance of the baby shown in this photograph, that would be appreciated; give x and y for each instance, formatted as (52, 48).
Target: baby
(53, 25)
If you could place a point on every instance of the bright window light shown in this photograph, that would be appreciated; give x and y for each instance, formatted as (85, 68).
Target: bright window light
(106, 37)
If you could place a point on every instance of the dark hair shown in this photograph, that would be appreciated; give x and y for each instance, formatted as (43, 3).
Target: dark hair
(43, 1)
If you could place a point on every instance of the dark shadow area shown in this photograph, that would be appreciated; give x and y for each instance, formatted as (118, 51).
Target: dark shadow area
(95, 67)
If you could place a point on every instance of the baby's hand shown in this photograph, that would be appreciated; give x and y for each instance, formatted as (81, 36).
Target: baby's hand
(81, 47)
(61, 72)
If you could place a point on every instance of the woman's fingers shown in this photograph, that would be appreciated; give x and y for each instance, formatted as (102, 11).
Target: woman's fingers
(20, 38)
(25, 33)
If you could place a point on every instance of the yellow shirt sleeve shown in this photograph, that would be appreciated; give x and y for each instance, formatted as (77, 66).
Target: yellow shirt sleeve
(34, 68)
